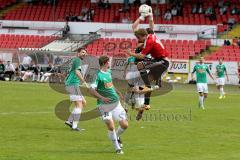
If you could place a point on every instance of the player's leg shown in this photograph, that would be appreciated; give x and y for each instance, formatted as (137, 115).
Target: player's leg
(201, 95)
(76, 114)
(77, 98)
(144, 74)
(47, 75)
(112, 135)
(140, 98)
(43, 77)
(156, 69)
(220, 87)
(205, 93)
(119, 115)
(222, 83)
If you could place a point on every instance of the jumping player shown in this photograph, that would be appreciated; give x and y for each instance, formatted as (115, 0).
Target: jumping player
(157, 66)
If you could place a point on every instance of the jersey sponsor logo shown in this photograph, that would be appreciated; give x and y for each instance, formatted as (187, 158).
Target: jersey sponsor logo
(108, 85)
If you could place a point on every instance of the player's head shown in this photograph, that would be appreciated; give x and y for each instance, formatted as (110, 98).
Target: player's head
(81, 53)
(141, 35)
(201, 60)
(104, 62)
(149, 31)
(220, 61)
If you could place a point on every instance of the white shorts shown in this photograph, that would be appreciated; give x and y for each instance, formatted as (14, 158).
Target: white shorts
(202, 87)
(220, 81)
(113, 111)
(74, 93)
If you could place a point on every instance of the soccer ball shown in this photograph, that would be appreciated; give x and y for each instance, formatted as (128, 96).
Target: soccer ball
(145, 10)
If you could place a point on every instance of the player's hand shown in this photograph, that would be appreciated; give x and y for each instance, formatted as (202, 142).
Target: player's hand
(128, 52)
(142, 17)
(106, 100)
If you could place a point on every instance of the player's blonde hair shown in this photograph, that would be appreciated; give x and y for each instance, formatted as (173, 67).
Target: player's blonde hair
(141, 32)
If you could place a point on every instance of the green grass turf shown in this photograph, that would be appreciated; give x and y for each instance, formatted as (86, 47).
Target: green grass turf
(31, 131)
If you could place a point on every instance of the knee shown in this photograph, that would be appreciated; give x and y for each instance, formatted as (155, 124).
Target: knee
(110, 127)
(124, 125)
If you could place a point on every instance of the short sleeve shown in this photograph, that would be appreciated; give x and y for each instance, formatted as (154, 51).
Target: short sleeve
(76, 64)
(194, 69)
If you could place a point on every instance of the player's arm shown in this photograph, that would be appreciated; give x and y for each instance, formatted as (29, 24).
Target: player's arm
(192, 74)
(226, 74)
(138, 56)
(137, 22)
(148, 44)
(209, 73)
(119, 94)
(79, 75)
(216, 72)
(151, 21)
(93, 91)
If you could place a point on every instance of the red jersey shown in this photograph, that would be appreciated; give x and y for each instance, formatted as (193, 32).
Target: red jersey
(153, 46)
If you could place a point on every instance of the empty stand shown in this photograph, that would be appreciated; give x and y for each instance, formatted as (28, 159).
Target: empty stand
(228, 53)
(24, 41)
(178, 49)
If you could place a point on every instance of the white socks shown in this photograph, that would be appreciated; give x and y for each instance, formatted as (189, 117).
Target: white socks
(113, 137)
(75, 117)
(119, 131)
(221, 91)
(201, 99)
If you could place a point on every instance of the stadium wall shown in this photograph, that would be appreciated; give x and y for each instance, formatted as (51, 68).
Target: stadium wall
(181, 68)
(118, 30)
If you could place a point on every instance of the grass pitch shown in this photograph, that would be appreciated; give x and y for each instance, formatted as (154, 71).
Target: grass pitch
(174, 129)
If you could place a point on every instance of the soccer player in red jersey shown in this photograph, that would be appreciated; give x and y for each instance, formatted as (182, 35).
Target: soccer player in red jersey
(157, 66)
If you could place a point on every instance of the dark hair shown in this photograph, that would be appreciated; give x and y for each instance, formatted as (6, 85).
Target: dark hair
(80, 49)
(103, 60)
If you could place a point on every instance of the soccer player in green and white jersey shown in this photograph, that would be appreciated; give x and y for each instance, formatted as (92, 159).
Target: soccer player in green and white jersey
(221, 71)
(72, 83)
(108, 103)
(201, 70)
